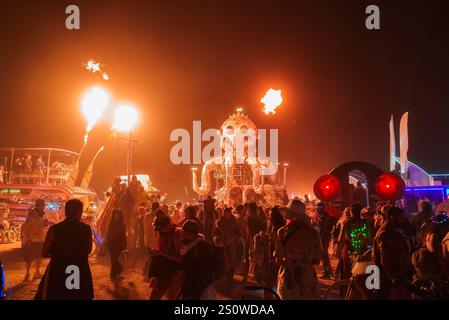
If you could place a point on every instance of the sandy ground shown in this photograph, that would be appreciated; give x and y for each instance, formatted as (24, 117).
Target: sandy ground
(132, 287)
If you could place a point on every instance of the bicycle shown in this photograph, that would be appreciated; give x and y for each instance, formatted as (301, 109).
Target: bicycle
(429, 288)
(351, 289)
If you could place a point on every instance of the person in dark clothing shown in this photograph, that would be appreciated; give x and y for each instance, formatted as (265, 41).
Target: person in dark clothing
(356, 238)
(128, 204)
(359, 194)
(196, 263)
(208, 217)
(116, 243)
(422, 221)
(165, 268)
(324, 227)
(429, 260)
(68, 245)
(254, 222)
(391, 254)
(227, 236)
(190, 214)
(275, 222)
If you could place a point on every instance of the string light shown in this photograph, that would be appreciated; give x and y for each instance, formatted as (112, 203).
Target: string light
(358, 236)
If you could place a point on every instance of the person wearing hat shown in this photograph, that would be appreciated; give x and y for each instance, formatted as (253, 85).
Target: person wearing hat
(165, 268)
(297, 209)
(33, 236)
(196, 263)
(297, 249)
(429, 259)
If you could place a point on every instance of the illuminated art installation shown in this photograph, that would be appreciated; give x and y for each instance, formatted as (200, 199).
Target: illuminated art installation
(236, 183)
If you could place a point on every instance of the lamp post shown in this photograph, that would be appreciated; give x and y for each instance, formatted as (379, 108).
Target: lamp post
(125, 119)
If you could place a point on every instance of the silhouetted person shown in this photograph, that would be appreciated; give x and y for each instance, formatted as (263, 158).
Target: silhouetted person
(324, 227)
(196, 262)
(33, 236)
(208, 217)
(68, 245)
(421, 222)
(116, 243)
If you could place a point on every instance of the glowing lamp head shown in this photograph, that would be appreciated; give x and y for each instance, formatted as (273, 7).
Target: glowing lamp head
(390, 186)
(327, 188)
(94, 102)
(125, 118)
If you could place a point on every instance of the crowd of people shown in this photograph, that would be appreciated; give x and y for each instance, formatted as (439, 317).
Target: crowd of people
(188, 248)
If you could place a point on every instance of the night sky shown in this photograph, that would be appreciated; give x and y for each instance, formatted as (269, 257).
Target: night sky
(180, 61)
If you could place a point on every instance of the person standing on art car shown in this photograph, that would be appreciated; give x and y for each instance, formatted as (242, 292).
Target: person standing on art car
(68, 245)
(298, 249)
(359, 194)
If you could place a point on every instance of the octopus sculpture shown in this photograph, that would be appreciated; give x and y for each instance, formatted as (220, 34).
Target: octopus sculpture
(250, 180)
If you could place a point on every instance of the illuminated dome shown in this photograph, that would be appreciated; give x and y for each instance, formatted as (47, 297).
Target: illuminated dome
(237, 121)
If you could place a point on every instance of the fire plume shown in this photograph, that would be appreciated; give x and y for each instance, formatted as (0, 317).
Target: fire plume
(271, 101)
(96, 67)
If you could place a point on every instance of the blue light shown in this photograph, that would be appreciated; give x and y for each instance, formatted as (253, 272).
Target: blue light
(426, 189)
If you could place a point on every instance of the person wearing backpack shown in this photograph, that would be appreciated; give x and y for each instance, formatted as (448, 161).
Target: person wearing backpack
(298, 248)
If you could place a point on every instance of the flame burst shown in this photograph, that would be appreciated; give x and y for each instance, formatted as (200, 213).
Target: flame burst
(271, 101)
(96, 67)
(93, 105)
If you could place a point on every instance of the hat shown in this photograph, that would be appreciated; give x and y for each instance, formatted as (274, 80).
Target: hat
(161, 222)
(296, 207)
(191, 226)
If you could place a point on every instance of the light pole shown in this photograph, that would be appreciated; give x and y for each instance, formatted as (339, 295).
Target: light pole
(125, 119)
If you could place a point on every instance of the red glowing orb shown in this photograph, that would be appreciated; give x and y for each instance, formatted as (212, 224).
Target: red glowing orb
(390, 186)
(327, 188)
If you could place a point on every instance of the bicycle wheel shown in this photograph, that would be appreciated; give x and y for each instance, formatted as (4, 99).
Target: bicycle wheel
(429, 288)
(345, 290)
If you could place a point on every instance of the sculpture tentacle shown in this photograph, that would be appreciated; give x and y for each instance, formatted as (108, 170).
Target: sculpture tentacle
(208, 168)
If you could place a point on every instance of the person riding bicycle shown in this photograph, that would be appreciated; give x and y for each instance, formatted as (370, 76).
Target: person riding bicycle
(391, 254)
(356, 237)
